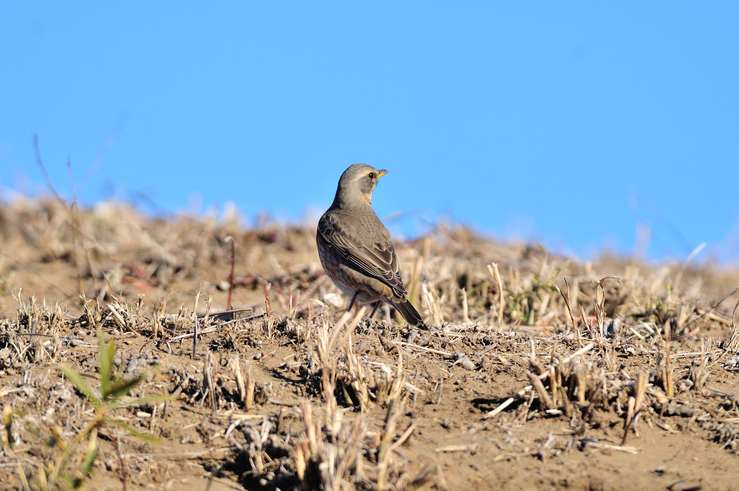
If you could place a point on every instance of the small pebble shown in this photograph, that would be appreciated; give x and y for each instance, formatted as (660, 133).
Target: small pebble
(465, 362)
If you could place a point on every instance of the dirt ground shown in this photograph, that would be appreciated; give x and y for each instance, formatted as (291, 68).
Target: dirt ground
(537, 372)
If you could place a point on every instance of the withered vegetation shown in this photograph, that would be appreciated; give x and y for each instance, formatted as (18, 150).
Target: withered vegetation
(132, 355)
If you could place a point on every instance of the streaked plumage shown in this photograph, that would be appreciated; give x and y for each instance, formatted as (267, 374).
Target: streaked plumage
(355, 247)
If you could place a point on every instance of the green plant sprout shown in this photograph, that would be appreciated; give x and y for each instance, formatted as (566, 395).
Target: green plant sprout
(111, 394)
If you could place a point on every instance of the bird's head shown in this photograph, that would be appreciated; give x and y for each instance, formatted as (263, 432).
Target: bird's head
(357, 184)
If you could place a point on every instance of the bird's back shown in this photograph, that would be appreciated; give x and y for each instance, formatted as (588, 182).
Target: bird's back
(360, 223)
(362, 242)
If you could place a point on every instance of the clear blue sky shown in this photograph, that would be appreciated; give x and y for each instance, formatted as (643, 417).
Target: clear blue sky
(571, 123)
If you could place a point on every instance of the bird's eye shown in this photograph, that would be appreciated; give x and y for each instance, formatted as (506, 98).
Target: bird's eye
(372, 175)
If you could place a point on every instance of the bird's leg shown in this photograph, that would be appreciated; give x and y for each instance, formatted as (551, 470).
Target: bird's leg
(351, 304)
(374, 309)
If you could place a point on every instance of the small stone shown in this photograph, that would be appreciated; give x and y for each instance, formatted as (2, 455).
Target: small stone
(465, 362)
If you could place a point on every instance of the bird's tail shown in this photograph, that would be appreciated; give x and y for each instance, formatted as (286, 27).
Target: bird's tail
(409, 313)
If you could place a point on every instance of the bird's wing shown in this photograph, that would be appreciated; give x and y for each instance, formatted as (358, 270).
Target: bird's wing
(374, 256)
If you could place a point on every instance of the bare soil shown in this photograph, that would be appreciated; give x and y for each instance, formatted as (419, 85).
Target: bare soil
(638, 365)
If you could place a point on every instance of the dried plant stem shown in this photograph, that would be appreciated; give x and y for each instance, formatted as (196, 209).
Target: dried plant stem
(432, 305)
(465, 306)
(667, 376)
(495, 273)
(249, 394)
(634, 404)
(212, 329)
(566, 298)
(123, 471)
(267, 302)
(229, 304)
(240, 385)
(195, 321)
(540, 390)
(74, 218)
(541, 377)
(415, 282)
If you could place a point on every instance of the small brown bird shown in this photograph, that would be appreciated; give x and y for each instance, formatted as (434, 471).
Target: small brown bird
(355, 247)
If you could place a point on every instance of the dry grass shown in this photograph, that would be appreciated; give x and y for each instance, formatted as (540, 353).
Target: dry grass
(535, 364)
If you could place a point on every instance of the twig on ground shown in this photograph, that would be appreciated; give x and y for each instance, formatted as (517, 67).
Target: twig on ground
(231, 241)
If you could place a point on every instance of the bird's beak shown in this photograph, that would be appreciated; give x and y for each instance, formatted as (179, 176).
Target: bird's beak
(381, 172)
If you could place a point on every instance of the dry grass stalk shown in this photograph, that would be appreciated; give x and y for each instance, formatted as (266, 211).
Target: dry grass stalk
(250, 387)
(229, 300)
(360, 379)
(540, 390)
(465, 306)
(566, 298)
(208, 383)
(555, 376)
(74, 219)
(581, 377)
(195, 321)
(122, 469)
(245, 388)
(267, 302)
(468, 448)
(666, 369)
(414, 282)
(8, 439)
(395, 408)
(634, 405)
(545, 374)
(328, 463)
(495, 273)
(432, 305)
